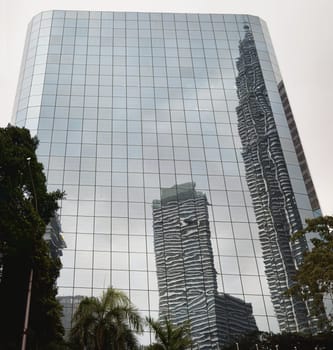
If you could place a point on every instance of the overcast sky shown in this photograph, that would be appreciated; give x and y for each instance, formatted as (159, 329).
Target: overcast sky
(302, 35)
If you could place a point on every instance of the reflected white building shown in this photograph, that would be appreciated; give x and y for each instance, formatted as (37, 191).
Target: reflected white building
(186, 273)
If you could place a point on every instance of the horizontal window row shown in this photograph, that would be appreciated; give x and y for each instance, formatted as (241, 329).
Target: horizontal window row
(141, 16)
(150, 150)
(160, 109)
(123, 279)
(166, 24)
(192, 128)
(139, 82)
(131, 280)
(144, 63)
(158, 49)
(174, 95)
(235, 206)
(216, 181)
(144, 174)
(175, 72)
(146, 52)
(139, 168)
(86, 225)
(235, 256)
(147, 56)
(181, 21)
(215, 191)
(93, 120)
(137, 179)
(182, 36)
(136, 185)
(146, 97)
(99, 208)
(188, 107)
(96, 35)
(119, 195)
(143, 210)
(129, 226)
(220, 23)
(130, 102)
(135, 65)
(107, 143)
(184, 106)
(76, 116)
(101, 261)
(143, 81)
(154, 166)
(143, 39)
(141, 152)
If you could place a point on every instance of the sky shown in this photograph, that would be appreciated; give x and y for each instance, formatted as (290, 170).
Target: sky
(301, 33)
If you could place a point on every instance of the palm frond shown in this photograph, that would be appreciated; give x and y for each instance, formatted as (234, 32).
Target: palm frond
(110, 322)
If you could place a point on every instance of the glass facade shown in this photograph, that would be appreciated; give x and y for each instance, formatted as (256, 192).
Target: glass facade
(128, 105)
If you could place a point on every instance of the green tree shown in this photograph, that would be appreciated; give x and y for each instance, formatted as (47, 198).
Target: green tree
(314, 278)
(169, 336)
(107, 323)
(284, 341)
(25, 209)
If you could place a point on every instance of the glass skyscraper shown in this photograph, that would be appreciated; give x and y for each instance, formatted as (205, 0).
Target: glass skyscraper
(130, 107)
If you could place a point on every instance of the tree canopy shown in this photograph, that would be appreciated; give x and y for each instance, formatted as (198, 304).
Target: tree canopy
(314, 278)
(107, 323)
(25, 209)
(170, 336)
(284, 341)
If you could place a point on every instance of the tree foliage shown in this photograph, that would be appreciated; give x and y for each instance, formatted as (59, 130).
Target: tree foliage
(107, 323)
(170, 336)
(25, 209)
(284, 341)
(314, 278)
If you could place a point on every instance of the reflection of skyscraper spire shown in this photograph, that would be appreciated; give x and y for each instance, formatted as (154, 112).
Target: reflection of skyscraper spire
(186, 273)
(269, 183)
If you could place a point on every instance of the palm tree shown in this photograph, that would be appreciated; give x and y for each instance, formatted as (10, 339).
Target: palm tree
(169, 336)
(106, 323)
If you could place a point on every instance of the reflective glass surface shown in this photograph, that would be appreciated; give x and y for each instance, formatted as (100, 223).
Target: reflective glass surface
(126, 105)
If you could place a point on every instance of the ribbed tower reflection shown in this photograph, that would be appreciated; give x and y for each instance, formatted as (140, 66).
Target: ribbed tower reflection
(186, 273)
(269, 184)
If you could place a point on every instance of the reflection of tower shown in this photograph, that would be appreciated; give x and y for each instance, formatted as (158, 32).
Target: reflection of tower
(69, 304)
(268, 180)
(186, 273)
(54, 238)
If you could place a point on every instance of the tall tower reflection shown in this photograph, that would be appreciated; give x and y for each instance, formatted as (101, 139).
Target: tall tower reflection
(186, 274)
(270, 188)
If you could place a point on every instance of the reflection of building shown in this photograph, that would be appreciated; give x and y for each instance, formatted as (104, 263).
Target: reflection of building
(125, 104)
(270, 187)
(186, 273)
(69, 305)
(54, 238)
(233, 317)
